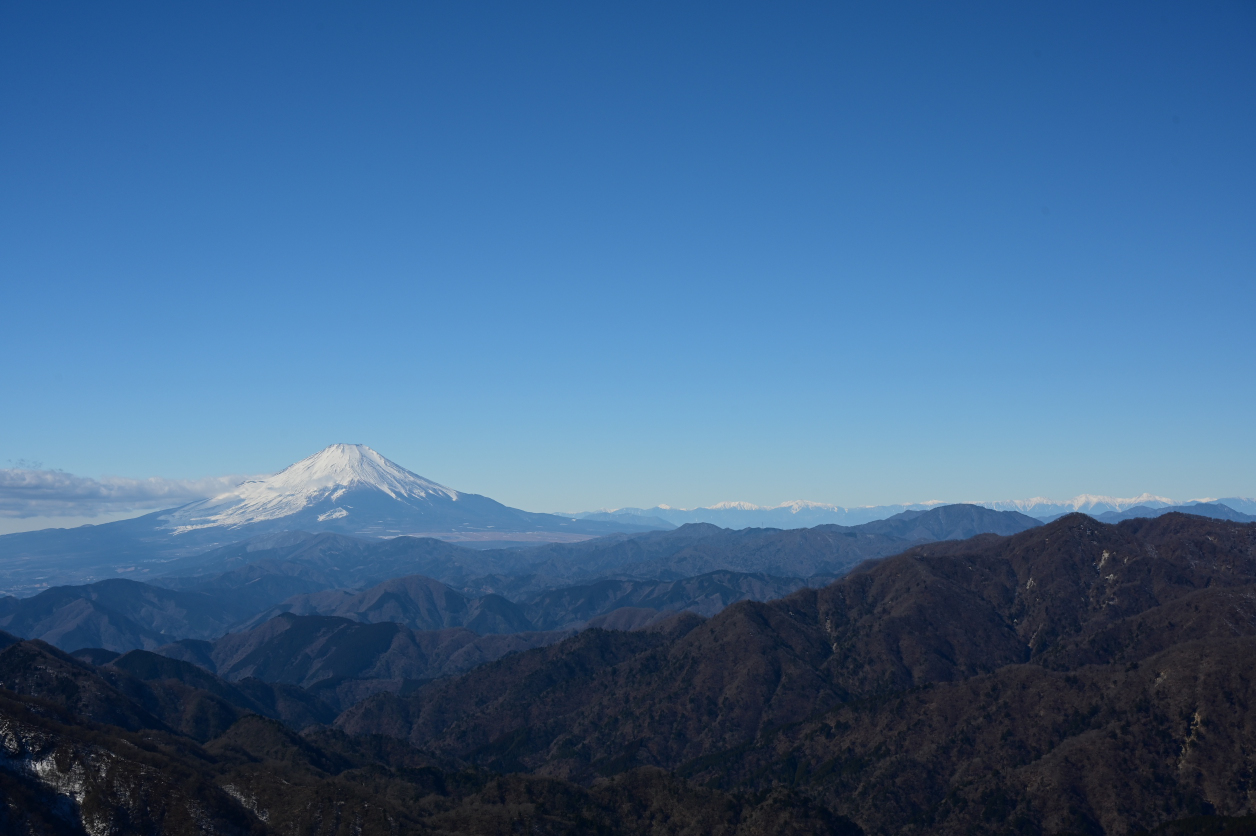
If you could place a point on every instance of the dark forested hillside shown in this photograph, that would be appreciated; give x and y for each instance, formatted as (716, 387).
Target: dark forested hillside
(415, 601)
(344, 660)
(699, 548)
(131, 747)
(427, 584)
(119, 615)
(705, 594)
(870, 695)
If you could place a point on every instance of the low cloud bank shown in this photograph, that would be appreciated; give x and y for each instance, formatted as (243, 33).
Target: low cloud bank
(54, 493)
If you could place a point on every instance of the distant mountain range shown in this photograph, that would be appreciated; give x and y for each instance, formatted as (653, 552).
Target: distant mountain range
(346, 488)
(429, 585)
(1215, 510)
(803, 514)
(351, 490)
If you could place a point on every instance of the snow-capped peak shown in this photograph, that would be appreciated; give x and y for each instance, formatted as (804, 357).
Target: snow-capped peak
(346, 466)
(797, 505)
(1086, 503)
(326, 475)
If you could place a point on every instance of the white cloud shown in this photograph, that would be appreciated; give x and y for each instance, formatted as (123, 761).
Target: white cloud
(54, 493)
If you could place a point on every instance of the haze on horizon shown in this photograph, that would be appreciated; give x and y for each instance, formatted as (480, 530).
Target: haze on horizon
(573, 257)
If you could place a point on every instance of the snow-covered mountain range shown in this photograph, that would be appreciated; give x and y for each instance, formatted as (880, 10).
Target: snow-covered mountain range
(804, 514)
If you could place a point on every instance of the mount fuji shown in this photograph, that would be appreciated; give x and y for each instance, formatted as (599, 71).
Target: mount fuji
(344, 489)
(351, 489)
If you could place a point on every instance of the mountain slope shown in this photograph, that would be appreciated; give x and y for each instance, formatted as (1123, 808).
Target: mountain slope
(70, 769)
(271, 568)
(724, 701)
(697, 549)
(414, 601)
(142, 690)
(1215, 510)
(343, 661)
(422, 603)
(705, 594)
(119, 615)
(1105, 749)
(950, 522)
(316, 485)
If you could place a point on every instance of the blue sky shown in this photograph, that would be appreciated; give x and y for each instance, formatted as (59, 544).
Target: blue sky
(585, 255)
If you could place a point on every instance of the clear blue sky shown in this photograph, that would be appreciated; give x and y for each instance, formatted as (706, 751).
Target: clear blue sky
(590, 254)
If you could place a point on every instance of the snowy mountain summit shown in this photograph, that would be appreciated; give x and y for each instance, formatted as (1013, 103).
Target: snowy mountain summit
(343, 466)
(351, 489)
(350, 472)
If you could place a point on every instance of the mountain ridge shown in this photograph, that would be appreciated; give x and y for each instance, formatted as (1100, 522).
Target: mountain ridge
(1044, 654)
(806, 514)
(429, 584)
